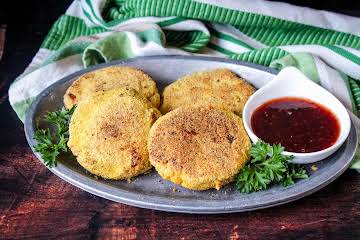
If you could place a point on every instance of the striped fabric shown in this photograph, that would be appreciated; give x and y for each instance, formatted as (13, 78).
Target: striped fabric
(324, 46)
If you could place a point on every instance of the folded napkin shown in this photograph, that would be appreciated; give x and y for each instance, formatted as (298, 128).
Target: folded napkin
(324, 46)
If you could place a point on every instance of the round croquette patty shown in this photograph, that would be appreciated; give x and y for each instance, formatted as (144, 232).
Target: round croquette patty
(109, 78)
(198, 147)
(109, 133)
(219, 88)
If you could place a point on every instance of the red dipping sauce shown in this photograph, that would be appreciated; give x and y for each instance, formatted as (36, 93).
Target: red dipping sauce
(300, 125)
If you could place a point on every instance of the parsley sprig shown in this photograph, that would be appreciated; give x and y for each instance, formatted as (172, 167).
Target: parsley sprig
(50, 144)
(268, 166)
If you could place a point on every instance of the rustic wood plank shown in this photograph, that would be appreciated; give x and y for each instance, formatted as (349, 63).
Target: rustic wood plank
(2, 38)
(35, 203)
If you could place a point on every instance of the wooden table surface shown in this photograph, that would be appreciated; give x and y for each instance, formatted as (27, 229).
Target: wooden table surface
(36, 204)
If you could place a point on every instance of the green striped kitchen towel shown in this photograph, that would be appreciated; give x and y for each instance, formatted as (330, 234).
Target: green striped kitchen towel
(324, 46)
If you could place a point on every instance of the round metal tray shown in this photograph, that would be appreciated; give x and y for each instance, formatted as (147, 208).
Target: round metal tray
(150, 190)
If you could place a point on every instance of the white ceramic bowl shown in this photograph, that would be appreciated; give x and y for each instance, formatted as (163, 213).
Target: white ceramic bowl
(290, 82)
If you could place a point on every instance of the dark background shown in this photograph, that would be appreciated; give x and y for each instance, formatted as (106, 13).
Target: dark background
(36, 204)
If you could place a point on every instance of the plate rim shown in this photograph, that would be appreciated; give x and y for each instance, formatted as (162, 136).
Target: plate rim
(129, 197)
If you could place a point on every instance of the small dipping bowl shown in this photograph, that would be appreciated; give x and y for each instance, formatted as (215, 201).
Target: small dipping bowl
(290, 82)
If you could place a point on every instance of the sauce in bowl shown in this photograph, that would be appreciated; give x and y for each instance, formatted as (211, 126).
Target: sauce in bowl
(300, 125)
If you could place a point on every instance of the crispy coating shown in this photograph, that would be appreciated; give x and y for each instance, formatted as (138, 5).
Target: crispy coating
(109, 133)
(199, 147)
(219, 88)
(109, 78)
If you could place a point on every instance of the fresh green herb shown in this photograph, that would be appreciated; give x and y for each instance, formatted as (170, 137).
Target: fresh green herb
(268, 166)
(51, 144)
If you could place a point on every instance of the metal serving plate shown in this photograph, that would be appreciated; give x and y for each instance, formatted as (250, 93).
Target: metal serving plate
(150, 190)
